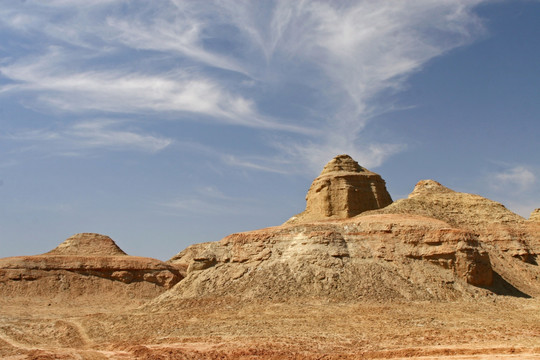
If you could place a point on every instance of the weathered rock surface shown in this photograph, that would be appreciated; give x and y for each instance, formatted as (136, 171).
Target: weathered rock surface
(371, 257)
(535, 215)
(88, 244)
(512, 242)
(429, 198)
(188, 256)
(436, 244)
(87, 265)
(343, 189)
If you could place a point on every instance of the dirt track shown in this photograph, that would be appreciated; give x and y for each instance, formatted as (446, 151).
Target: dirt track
(495, 327)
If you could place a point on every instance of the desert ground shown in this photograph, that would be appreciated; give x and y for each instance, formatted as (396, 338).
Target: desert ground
(493, 327)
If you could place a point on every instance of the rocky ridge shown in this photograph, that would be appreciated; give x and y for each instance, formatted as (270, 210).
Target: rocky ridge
(430, 198)
(512, 243)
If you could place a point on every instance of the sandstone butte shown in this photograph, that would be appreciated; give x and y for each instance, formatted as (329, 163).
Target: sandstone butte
(343, 189)
(440, 274)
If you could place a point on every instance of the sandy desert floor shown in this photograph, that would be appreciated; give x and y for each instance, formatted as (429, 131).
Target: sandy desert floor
(494, 327)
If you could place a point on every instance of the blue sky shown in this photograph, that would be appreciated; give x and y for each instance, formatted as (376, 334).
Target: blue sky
(163, 124)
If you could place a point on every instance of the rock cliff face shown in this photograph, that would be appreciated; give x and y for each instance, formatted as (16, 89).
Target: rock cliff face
(343, 189)
(85, 265)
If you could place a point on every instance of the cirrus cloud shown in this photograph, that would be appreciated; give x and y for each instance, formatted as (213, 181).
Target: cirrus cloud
(242, 63)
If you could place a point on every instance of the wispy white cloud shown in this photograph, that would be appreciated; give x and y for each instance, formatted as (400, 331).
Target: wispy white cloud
(515, 179)
(103, 134)
(265, 164)
(180, 35)
(204, 200)
(99, 133)
(132, 92)
(348, 53)
(341, 56)
(363, 49)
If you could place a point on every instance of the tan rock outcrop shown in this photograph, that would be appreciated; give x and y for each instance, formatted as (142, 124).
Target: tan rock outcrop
(343, 189)
(513, 244)
(474, 212)
(88, 244)
(535, 215)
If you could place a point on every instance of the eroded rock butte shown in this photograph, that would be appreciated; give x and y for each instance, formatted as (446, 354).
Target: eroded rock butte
(343, 189)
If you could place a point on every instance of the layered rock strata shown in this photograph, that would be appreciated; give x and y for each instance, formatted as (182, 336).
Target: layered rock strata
(343, 189)
(86, 264)
(371, 257)
(436, 244)
(512, 242)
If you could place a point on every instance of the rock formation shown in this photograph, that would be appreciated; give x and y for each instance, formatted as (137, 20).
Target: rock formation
(343, 189)
(88, 244)
(85, 265)
(474, 212)
(535, 215)
(339, 281)
(512, 242)
(436, 244)
(371, 257)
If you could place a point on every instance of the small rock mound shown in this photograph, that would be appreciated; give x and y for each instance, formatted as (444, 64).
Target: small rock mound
(343, 189)
(535, 215)
(90, 244)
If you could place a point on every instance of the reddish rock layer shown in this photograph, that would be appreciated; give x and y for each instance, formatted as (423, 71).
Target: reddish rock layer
(85, 266)
(120, 268)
